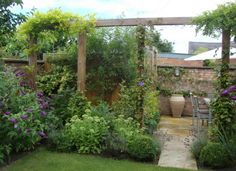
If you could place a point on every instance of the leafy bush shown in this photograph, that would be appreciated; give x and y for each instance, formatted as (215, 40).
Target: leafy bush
(59, 140)
(60, 103)
(198, 145)
(151, 111)
(129, 102)
(121, 131)
(78, 104)
(57, 80)
(103, 110)
(88, 133)
(214, 155)
(143, 147)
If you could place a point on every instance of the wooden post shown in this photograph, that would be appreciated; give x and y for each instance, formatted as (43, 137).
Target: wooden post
(81, 62)
(225, 58)
(225, 46)
(33, 61)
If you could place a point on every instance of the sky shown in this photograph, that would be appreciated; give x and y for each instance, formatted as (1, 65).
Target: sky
(104, 9)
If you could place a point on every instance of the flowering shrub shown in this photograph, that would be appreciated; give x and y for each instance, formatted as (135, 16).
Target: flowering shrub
(229, 92)
(223, 109)
(24, 115)
(87, 133)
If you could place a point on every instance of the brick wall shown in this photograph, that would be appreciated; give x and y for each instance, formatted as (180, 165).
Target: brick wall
(177, 62)
(195, 79)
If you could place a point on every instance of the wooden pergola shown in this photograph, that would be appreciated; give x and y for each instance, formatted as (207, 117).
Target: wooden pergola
(81, 62)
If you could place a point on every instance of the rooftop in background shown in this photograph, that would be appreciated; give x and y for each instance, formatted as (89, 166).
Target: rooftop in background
(193, 46)
(174, 55)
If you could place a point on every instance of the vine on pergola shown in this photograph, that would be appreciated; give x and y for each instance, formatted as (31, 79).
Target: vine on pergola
(214, 23)
(52, 26)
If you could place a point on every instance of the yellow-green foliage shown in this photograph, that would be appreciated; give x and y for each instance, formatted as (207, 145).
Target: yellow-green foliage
(57, 22)
(151, 105)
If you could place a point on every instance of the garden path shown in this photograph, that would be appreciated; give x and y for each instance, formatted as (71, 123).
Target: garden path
(175, 134)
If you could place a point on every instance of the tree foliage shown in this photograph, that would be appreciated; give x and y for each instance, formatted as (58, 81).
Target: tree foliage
(213, 22)
(8, 19)
(154, 39)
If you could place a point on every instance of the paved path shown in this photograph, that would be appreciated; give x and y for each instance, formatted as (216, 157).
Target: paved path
(176, 138)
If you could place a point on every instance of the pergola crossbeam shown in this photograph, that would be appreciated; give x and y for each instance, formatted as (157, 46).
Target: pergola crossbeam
(144, 21)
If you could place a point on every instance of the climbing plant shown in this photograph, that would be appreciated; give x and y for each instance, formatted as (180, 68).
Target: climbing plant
(217, 22)
(214, 23)
(53, 28)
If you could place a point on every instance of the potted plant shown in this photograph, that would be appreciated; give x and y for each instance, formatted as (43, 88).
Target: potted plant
(177, 102)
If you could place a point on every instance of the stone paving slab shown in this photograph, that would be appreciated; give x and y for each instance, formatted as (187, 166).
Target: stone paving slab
(175, 138)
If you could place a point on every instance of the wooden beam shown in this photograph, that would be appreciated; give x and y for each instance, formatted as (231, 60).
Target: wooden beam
(81, 62)
(144, 21)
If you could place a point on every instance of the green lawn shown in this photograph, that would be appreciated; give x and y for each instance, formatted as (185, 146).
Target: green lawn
(43, 160)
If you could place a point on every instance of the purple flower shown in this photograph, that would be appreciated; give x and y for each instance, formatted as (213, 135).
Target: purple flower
(7, 113)
(233, 97)
(224, 93)
(141, 83)
(13, 120)
(42, 134)
(20, 74)
(24, 117)
(44, 105)
(231, 88)
(39, 94)
(43, 113)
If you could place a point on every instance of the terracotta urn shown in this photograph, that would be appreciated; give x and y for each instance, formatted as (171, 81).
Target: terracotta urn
(177, 102)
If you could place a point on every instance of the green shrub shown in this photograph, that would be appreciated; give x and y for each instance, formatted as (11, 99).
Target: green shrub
(214, 155)
(198, 144)
(129, 102)
(59, 140)
(60, 103)
(143, 148)
(151, 111)
(121, 131)
(88, 133)
(57, 80)
(77, 105)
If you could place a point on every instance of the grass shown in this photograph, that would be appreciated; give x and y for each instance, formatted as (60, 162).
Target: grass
(43, 160)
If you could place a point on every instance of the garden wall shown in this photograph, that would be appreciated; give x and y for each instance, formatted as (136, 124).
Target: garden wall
(199, 80)
(22, 62)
